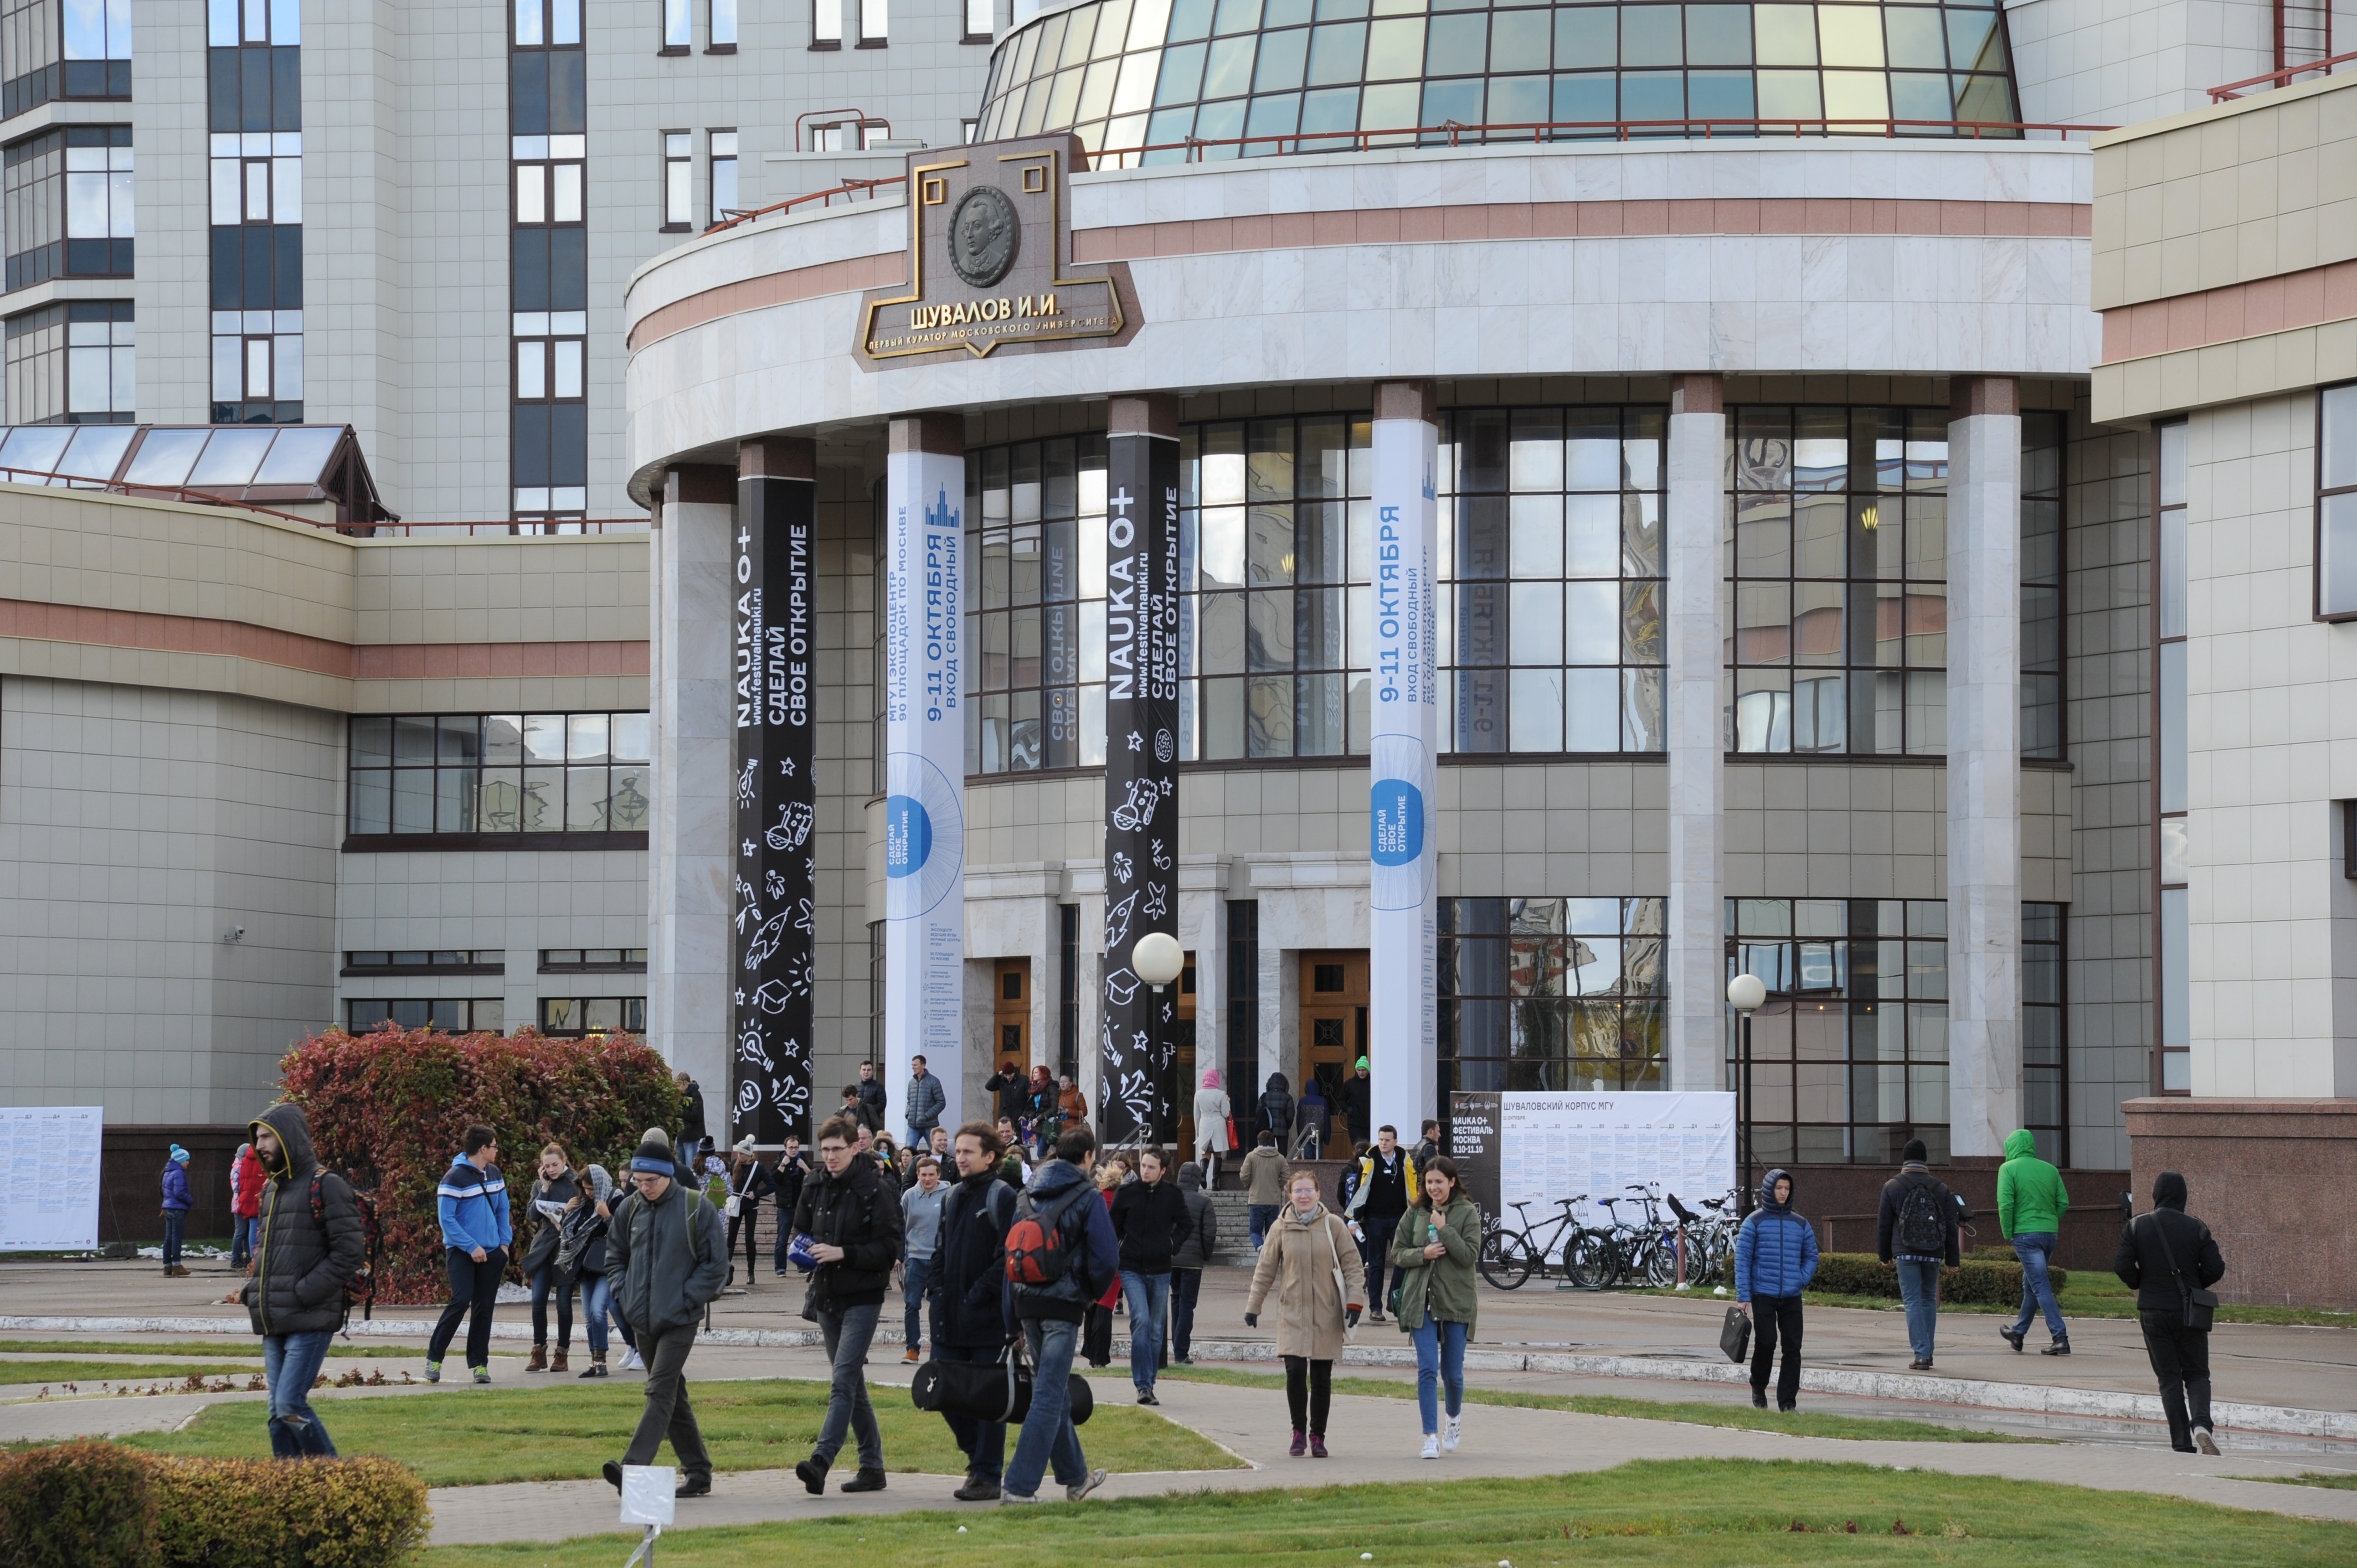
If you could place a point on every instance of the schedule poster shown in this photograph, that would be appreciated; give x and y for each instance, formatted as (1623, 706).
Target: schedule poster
(1539, 1149)
(50, 1155)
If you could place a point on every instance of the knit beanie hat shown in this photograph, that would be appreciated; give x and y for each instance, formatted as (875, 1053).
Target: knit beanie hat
(1915, 1154)
(654, 1153)
(179, 1155)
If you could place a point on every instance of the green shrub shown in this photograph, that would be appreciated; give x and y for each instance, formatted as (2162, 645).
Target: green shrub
(266, 1513)
(1983, 1279)
(78, 1505)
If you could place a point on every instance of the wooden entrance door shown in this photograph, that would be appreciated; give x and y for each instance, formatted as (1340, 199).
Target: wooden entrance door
(1333, 1028)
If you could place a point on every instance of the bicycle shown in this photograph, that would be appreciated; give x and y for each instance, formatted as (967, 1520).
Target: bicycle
(1710, 1237)
(1509, 1257)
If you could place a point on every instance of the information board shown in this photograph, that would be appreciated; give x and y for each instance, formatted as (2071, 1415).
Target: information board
(49, 1153)
(1542, 1148)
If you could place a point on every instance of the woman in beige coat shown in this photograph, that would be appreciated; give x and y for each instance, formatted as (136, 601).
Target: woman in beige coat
(1311, 1261)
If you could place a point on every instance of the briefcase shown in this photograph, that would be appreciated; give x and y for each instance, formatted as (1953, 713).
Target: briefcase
(1734, 1335)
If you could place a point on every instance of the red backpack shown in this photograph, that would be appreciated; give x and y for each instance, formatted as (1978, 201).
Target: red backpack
(1037, 1255)
(360, 1289)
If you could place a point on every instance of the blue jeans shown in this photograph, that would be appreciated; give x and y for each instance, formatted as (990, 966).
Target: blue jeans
(1148, 1296)
(596, 1301)
(1264, 1215)
(984, 1442)
(848, 1334)
(1439, 1359)
(2034, 1248)
(176, 1223)
(914, 1272)
(290, 1364)
(1048, 1435)
(1918, 1287)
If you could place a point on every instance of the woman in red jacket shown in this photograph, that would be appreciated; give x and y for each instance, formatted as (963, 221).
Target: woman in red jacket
(245, 1205)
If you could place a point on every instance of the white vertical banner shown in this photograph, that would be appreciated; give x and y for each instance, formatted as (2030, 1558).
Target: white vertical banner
(924, 740)
(1403, 725)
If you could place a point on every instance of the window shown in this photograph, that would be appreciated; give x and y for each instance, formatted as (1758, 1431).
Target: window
(1037, 616)
(1551, 564)
(499, 773)
(549, 175)
(548, 268)
(724, 175)
(62, 49)
(73, 364)
(1850, 1055)
(257, 367)
(463, 961)
(966, 129)
(257, 177)
(593, 961)
(871, 23)
(1552, 993)
(826, 28)
(578, 1015)
(255, 119)
(2173, 997)
(69, 208)
(2042, 586)
(461, 1016)
(545, 24)
(1068, 991)
(551, 369)
(1244, 998)
(674, 27)
(2336, 501)
(724, 28)
(979, 23)
(2043, 1058)
(679, 181)
(876, 950)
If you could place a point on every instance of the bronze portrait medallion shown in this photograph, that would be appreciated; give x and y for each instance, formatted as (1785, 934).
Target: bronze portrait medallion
(983, 233)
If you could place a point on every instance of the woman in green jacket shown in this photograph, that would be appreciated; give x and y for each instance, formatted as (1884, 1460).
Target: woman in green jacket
(1434, 1249)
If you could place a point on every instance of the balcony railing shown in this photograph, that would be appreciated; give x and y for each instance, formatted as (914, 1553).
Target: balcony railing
(2284, 77)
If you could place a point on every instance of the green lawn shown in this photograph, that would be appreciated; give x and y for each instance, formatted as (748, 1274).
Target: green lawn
(229, 1345)
(471, 1436)
(1690, 1513)
(1805, 1423)
(2339, 1480)
(95, 1372)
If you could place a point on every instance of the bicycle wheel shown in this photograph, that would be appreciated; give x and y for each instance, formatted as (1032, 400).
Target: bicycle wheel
(1590, 1261)
(1507, 1260)
(1661, 1263)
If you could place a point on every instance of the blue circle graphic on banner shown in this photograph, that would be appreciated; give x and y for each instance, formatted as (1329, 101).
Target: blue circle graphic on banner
(1394, 822)
(924, 836)
(908, 836)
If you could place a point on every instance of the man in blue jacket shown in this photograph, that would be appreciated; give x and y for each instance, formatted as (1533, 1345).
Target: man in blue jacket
(1775, 1259)
(473, 1204)
(1049, 1317)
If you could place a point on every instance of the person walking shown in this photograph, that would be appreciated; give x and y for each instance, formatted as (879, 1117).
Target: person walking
(1438, 1245)
(920, 1231)
(1079, 1263)
(311, 1238)
(1197, 1244)
(176, 1205)
(963, 1287)
(553, 1192)
(851, 1212)
(2030, 1203)
(691, 1111)
(1915, 1230)
(1211, 1113)
(472, 1203)
(1273, 1110)
(1358, 1101)
(794, 1171)
(582, 1254)
(1263, 1178)
(246, 1179)
(1011, 1093)
(1072, 1105)
(1775, 1259)
(1310, 1262)
(1427, 1144)
(927, 1103)
(748, 1181)
(665, 1246)
(1150, 1219)
(871, 1095)
(2165, 1256)
(1388, 1185)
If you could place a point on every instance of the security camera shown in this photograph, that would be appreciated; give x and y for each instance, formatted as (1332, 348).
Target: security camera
(236, 934)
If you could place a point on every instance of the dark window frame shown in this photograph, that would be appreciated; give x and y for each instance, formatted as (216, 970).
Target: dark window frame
(2316, 559)
(2161, 507)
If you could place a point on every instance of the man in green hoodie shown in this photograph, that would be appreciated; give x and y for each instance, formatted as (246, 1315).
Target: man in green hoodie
(2030, 1203)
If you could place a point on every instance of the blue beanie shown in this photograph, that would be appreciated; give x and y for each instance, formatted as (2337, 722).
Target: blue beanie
(179, 1155)
(654, 1154)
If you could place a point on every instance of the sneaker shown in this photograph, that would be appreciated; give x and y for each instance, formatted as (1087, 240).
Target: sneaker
(911, 1358)
(1783, 1409)
(1005, 1497)
(813, 1475)
(1451, 1435)
(433, 1371)
(483, 1374)
(630, 1362)
(975, 1491)
(2059, 1348)
(2206, 1441)
(1431, 1447)
(2012, 1338)
(1082, 1488)
(1145, 1396)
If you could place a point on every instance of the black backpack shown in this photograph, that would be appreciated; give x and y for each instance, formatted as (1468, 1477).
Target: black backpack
(1920, 1232)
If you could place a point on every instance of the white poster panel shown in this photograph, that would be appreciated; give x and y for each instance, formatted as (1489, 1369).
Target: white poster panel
(924, 740)
(49, 1156)
(1403, 726)
(1553, 1147)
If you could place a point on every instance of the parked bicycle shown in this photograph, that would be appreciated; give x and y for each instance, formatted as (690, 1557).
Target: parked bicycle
(1511, 1255)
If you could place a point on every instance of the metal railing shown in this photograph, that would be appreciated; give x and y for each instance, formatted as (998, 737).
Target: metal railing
(850, 190)
(392, 530)
(2282, 77)
(540, 527)
(162, 493)
(1453, 133)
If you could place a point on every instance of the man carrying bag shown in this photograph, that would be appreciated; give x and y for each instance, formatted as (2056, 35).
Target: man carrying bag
(2170, 1259)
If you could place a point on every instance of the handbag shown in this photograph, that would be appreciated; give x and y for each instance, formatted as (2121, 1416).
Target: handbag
(735, 1201)
(1342, 1291)
(1734, 1335)
(2200, 1305)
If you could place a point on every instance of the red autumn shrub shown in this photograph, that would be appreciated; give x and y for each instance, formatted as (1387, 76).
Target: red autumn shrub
(389, 1109)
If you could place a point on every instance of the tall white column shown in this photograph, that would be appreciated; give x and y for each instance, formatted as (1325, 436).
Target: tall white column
(1404, 723)
(1984, 765)
(1697, 781)
(689, 849)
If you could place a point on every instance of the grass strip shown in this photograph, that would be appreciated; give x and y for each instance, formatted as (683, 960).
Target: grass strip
(234, 1345)
(85, 1375)
(2339, 1480)
(467, 1436)
(1695, 1513)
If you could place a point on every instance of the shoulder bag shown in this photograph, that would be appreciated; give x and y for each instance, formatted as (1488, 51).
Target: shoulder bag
(1341, 1291)
(2200, 1305)
(996, 1391)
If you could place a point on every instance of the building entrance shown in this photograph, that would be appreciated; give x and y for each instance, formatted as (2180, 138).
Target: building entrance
(1333, 1034)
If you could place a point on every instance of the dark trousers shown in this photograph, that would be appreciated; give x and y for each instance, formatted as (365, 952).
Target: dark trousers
(2180, 1359)
(746, 1211)
(1186, 1286)
(1375, 1251)
(475, 1286)
(546, 1281)
(1775, 1316)
(984, 1442)
(668, 1413)
(1310, 1392)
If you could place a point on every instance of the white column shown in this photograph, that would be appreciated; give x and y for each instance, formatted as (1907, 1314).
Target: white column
(1697, 781)
(689, 859)
(1402, 710)
(1984, 765)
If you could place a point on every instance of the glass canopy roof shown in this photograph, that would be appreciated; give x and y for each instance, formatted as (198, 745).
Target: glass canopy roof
(258, 463)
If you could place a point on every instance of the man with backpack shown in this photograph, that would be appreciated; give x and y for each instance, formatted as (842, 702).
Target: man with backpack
(472, 1203)
(310, 1245)
(851, 1212)
(1916, 1230)
(1061, 1256)
(666, 1248)
(969, 1267)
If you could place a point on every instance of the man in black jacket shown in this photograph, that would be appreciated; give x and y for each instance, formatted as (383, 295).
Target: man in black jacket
(793, 1170)
(311, 1238)
(1187, 1265)
(1150, 1219)
(2162, 1255)
(969, 1266)
(691, 1112)
(871, 1095)
(665, 1248)
(1916, 1230)
(851, 1212)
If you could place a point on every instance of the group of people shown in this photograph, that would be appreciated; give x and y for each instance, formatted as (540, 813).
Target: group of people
(1038, 1105)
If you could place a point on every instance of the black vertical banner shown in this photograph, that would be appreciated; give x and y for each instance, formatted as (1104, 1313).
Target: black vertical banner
(1139, 1092)
(772, 952)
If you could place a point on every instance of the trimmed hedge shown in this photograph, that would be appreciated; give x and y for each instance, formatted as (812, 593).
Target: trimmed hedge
(1982, 1280)
(390, 1108)
(94, 1505)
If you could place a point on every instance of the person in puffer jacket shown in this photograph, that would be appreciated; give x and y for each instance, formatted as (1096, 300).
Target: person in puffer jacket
(294, 1295)
(1775, 1259)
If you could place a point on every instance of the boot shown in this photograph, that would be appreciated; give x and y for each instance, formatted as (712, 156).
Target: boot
(539, 1362)
(597, 1365)
(557, 1363)
(866, 1480)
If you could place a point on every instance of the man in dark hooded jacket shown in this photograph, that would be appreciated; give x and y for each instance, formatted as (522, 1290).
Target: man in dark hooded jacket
(311, 1238)
(969, 1265)
(666, 1250)
(2161, 1255)
(1276, 1110)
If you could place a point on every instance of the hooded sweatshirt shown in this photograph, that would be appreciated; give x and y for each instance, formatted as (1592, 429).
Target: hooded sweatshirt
(1776, 1250)
(2031, 1197)
(300, 1264)
(2150, 1243)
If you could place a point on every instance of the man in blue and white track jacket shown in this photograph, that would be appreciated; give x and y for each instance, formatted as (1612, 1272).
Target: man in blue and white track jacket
(472, 1203)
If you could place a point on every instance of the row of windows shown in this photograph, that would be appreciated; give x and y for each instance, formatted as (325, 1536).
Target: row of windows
(553, 961)
(71, 363)
(559, 1015)
(679, 177)
(68, 205)
(1552, 993)
(255, 157)
(548, 297)
(62, 49)
(496, 773)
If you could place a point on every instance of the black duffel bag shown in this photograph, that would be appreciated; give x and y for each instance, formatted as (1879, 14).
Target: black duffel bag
(996, 1391)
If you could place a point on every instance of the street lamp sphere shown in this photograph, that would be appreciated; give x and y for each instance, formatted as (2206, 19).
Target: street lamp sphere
(1157, 959)
(1746, 993)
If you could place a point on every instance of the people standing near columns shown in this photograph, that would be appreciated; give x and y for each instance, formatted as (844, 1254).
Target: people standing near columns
(1321, 1289)
(1046, 1293)
(666, 1246)
(1915, 1230)
(1046, 1109)
(1274, 1110)
(553, 1191)
(2165, 1256)
(793, 1170)
(691, 1112)
(1150, 1219)
(2030, 1203)
(472, 1204)
(920, 1229)
(1357, 1101)
(871, 1095)
(968, 1270)
(925, 1103)
(1211, 1112)
(1010, 1086)
(1439, 1243)
(1195, 1252)
(1263, 1178)
(851, 1212)
(1388, 1185)
(1775, 1259)
(302, 1257)
(176, 1204)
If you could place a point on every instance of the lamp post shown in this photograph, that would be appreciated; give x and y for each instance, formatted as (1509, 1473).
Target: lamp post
(1156, 959)
(1745, 993)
